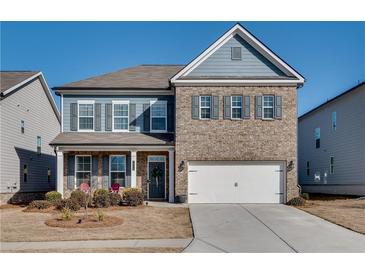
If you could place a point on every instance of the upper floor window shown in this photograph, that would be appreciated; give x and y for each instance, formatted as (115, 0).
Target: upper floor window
(334, 121)
(117, 169)
(317, 137)
(86, 115)
(22, 126)
(332, 165)
(120, 116)
(205, 105)
(236, 53)
(308, 168)
(159, 116)
(236, 107)
(268, 107)
(39, 144)
(83, 170)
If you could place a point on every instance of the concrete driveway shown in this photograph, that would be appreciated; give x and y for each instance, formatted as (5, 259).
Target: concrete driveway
(267, 228)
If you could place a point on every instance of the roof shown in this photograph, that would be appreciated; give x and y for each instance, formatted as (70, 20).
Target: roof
(139, 77)
(113, 139)
(333, 99)
(9, 79)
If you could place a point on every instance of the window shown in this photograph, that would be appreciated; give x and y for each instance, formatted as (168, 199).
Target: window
(159, 116)
(86, 116)
(334, 121)
(48, 175)
(25, 173)
(205, 103)
(83, 170)
(268, 107)
(39, 144)
(22, 126)
(308, 168)
(236, 53)
(117, 169)
(236, 105)
(121, 116)
(332, 165)
(317, 136)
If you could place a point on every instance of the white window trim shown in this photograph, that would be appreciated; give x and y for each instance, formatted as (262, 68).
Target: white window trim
(200, 107)
(165, 104)
(110, 168)
(332, 157)
(85, 102)
(232, 107)
(91, 168)
(124, 102)
(264, 107)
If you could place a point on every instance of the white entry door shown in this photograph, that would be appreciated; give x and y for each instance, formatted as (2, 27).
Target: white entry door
(235, 182)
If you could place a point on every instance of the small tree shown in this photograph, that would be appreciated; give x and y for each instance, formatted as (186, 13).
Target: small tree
(87, 190)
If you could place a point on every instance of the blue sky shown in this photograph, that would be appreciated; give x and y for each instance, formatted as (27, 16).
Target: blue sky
(330, 55)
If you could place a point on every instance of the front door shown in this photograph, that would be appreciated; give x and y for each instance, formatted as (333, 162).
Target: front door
(156, 177)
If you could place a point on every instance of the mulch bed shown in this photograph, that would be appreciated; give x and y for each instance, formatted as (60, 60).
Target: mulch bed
(46, 210)
(90, 222)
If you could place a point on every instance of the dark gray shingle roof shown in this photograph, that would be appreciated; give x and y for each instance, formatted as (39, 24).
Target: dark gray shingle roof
(8, 79)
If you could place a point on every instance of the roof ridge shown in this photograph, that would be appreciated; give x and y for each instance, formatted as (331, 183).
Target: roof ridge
(160, 65)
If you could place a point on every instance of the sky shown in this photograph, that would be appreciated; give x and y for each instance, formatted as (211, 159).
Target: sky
(330, 55)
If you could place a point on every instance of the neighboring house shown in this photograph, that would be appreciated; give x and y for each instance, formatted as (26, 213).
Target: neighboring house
(29, 120)
(332, 145)
(222, 129)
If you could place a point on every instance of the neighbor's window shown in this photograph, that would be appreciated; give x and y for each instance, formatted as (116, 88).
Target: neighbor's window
(205, 104)
(48, 175)
(308, 168)
(334, 121)
(117, 169)
(317, 137)
(158, 116)
(121, 116)
(83, 170)
(22, 126)
(25, 173)
(39, 144)
(268, 107)
(236, 105)
(332, 165)
(236, 53)
(86, 116)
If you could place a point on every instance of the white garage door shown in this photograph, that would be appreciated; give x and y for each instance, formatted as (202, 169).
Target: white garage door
(235, 182)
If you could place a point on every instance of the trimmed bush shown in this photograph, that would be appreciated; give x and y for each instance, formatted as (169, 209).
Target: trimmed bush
(66, 214)
(305, 196)
(101, 198)
(68, 203)
(80, 197)
(39, 204)
(296, 201)
(100, 216)
(132, 196)
(53, 197)
(115, 199)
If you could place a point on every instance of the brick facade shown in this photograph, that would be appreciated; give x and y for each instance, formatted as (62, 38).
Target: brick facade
(250, 139)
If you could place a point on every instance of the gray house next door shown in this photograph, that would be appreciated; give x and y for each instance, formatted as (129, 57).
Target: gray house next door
(156, 177)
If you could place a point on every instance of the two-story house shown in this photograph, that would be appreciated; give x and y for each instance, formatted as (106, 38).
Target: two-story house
(222, 129)
(29, 121)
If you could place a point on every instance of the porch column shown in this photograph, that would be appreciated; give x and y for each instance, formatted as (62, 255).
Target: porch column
(60, 172)
(133, 168)
(171, 175)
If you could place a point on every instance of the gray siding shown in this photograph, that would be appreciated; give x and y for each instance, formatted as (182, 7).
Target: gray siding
(346, 145)
(219, 64)
(16, 149)
(138, 100)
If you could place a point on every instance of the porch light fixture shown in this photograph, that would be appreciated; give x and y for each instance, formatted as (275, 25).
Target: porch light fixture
(290, 166)
(181, 166)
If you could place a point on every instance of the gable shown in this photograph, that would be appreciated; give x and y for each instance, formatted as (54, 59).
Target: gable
(220, 63)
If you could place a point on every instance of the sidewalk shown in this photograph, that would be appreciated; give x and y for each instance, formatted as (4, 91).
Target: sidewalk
(64, 245)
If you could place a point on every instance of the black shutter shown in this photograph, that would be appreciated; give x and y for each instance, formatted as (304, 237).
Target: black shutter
(97, 117)
(195, 107)
(73, 116)
(106, 172)
(227, 107)
(215, 107)
(94, 170)
(258, 107)
(170, 117)
(108, 117)
(146, 117)
(71, 172)
(246, 107)
(278, 107)
(132, 117)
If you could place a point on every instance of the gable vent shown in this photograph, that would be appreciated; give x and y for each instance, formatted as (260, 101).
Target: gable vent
(236, 53)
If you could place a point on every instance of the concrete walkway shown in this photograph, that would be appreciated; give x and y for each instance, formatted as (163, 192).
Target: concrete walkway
(64, 245)
(267, 228)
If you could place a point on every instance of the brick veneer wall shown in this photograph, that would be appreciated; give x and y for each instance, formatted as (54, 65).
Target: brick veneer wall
(221, 139)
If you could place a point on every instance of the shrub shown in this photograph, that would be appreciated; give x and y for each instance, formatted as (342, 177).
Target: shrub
(66, 214)
(80, 197)
(68, 203)
(305, 196)
(115, 199)
(53, 197)
(133, 196)
(296, 201)
(39, 204)
(101, 198)
(100, 216)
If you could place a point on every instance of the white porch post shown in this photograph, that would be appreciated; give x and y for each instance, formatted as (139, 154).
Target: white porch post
(60, 172)
(171, 175)
(134, 168)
